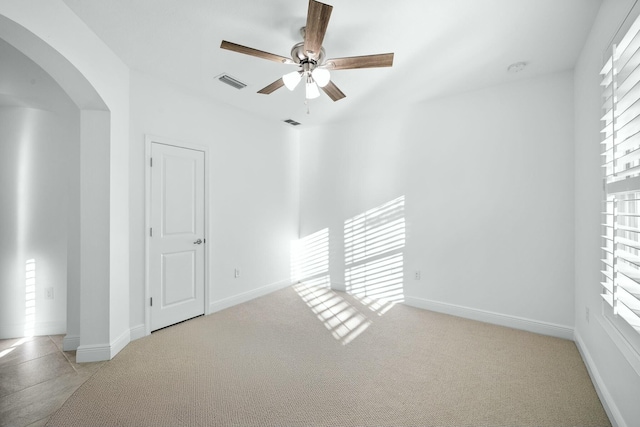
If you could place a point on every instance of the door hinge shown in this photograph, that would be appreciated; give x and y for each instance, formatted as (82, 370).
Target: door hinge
(150, 231)
(151, 162)
(151, 301)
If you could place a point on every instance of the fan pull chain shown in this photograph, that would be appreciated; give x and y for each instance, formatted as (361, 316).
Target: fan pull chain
(306, 102)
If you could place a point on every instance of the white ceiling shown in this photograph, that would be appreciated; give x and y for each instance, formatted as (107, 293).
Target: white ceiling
(441, 47)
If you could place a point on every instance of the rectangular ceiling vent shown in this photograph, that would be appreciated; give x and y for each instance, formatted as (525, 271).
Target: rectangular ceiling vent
(292, 122)
(225, 78)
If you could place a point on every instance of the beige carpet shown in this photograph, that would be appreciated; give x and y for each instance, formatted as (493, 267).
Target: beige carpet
(306, 356)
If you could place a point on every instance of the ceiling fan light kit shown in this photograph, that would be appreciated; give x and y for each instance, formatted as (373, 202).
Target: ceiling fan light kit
(312, 91)
(292, 79)
(321, 76)
(309, 55)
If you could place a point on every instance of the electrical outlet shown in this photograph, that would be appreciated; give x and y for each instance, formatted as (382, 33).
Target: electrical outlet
(236, 273)
(418, 275)
(586, 313)
(48, 293)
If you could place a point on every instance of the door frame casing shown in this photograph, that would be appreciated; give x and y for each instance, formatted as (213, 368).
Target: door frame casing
(149, 140)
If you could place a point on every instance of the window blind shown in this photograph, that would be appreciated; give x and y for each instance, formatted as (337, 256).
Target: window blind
(621, 170)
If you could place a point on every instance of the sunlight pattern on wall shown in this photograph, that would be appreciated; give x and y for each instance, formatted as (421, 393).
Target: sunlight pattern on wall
(310, 259)
(30, 298)
(374, 266)
(341, 318)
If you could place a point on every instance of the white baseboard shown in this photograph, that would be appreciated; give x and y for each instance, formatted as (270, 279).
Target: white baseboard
(608, 403)
(138, 332)
(70, 342)
(119, 343)
(93, 353)
(247, 296)
(100, 352)
(338, 286)
(515, 322)
(19, 330)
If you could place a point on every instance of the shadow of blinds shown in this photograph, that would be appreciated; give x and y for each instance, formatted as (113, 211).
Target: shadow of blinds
(310, 259)
(374, 264)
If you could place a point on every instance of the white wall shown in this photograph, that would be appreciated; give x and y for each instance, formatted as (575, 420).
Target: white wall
(98, 83)
(617, 381)
(487, 178)
(253, 194)
(39, 131)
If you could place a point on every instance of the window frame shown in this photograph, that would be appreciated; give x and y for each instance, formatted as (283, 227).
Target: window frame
(622, 332)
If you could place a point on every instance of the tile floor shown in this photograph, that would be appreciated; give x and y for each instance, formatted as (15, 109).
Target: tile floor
(36, 378)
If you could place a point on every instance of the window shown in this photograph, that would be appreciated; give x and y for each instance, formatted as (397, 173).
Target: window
(621, 166)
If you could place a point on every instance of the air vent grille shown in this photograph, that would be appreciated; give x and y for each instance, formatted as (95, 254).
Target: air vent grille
(225, 78)
(292, 122)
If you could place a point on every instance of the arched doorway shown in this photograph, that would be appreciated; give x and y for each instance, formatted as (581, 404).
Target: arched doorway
(39, 198)
(97, 81)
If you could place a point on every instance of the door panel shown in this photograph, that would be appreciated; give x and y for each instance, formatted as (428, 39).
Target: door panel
(178, 280)
(179, 194)
(176, 249)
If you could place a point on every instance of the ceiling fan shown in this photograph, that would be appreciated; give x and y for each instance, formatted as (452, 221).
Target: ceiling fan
(309, 55)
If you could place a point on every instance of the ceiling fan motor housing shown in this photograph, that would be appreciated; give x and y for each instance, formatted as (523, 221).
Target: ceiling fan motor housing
(299, 56)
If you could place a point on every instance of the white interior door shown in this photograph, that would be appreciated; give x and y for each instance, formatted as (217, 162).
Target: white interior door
(176, 243)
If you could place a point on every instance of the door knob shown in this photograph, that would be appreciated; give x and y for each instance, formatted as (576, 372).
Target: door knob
(197, 242)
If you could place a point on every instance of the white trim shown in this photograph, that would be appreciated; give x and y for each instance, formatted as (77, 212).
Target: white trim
(70, 342)
(17, 330)
(621, 342)
(337, 286)
(93, 353)
(137, 332)
(100, 352)
(536, 326)
(603, 393)
(149, 139)
(247, 296)
(147, 222)
(119, 343)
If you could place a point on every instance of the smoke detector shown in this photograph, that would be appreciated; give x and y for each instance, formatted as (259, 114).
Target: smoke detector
(516, 67)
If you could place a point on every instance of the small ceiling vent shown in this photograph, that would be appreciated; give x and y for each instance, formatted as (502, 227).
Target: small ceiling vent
(225, 78)
(292, 122)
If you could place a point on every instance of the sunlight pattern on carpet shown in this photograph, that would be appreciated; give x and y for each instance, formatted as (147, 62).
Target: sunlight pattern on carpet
(342, 319)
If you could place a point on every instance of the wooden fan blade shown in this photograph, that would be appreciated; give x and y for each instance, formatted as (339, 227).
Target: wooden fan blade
(367, 61)
(255, 52)
(272, 87)
(332, 90)
(318, 16)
